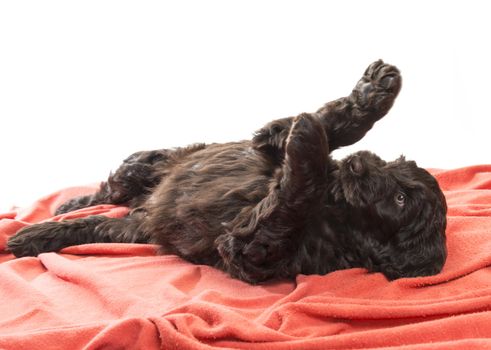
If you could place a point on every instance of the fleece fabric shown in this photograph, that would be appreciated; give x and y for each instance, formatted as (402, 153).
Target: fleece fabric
(124, 296)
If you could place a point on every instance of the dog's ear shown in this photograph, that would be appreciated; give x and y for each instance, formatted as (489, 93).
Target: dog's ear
(418, 249)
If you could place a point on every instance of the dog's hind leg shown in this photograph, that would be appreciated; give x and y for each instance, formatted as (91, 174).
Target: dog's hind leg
(53, 236)
(261, 244)
(127, 185)
(133, 180)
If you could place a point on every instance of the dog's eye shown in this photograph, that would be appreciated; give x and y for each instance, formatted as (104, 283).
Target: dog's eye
(400, 199)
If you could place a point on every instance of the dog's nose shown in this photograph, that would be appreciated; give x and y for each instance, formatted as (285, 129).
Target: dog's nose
(356, 165)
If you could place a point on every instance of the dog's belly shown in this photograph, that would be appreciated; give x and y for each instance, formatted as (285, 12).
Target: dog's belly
(202, 193)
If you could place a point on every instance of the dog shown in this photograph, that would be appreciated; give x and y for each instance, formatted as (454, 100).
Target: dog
(277, 205)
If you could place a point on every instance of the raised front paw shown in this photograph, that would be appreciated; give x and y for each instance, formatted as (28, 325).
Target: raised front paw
(378, 87)
(307, 147)
(307, 131)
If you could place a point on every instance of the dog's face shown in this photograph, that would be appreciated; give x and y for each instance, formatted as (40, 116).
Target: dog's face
(399, 211)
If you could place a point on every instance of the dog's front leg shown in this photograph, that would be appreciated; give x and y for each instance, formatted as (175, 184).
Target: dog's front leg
(262, 244)
(347, 119)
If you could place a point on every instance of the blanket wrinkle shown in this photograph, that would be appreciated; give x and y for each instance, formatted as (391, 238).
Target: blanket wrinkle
(99, 288)
(125, 296)
(138, 334)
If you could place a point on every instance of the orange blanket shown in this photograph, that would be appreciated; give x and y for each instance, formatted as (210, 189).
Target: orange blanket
(122, 296)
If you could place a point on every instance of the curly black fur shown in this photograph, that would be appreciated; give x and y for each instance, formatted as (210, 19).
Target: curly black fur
(277, 205)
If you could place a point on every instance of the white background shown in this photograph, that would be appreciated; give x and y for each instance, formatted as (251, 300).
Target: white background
(83, 84)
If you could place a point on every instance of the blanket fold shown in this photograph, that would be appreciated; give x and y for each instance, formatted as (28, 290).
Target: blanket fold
(124, 296)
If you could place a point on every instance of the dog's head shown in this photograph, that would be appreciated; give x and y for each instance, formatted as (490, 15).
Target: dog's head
(399, 213)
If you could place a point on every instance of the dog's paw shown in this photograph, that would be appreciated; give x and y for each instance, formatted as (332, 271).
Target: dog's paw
(21, 244)
(306, 135)
(244, 259)
(272, 135)
(307, 148)
(378, 87)
(70, 205)
(254, 258)
(33, 240)
(230, 248)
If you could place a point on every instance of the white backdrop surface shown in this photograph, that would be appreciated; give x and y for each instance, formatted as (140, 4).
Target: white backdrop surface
(84, 84)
